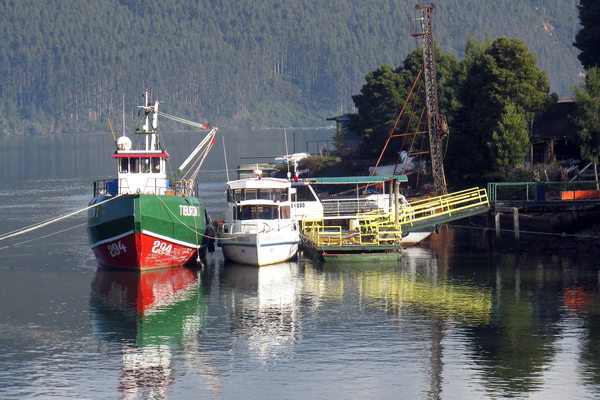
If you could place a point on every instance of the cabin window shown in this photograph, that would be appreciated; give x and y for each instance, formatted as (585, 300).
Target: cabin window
(303, 193)
(156, 165)
(256, 212)
(124, 165)
(234, 195)
(134, 165)
(145, 165)
(285, 212)
(264, 194)
(250, 194)
(277, 195)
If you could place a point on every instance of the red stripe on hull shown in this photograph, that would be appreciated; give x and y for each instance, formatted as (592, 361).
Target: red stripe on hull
(139, 252)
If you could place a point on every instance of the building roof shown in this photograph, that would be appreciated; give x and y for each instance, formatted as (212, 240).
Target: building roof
(339, 118)
(357, 179)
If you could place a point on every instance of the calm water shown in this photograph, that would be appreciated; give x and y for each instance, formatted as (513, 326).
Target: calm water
(450, 320)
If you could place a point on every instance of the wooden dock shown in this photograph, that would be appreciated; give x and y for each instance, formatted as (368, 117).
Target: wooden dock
(544, 207)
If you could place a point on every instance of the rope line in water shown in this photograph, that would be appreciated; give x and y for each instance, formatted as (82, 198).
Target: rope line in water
(562, 235)
(42, 237)
(51, 221)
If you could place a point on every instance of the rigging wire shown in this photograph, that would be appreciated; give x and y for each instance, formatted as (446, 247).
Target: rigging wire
(184, 121)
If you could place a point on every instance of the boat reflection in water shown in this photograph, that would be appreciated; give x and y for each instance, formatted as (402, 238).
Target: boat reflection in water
(413, 291)
(413, 284)
(266, 306)
(150, 314)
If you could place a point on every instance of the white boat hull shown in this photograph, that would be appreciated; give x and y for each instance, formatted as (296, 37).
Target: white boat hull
(262, 248)
(414, 238)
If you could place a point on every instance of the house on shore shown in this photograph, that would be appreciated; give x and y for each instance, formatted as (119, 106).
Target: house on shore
(352, 141)
(553, 136)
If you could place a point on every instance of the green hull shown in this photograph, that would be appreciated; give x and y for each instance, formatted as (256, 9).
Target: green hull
(143, 231)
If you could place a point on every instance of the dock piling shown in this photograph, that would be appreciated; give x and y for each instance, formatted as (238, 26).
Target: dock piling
(515, 213)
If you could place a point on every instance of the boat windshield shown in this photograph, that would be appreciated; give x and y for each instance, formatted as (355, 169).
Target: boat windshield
(236, 195)
(137, 164)
(256, 212)
(303, 193)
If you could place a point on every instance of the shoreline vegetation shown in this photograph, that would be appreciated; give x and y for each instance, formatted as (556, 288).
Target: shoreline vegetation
(66, 67)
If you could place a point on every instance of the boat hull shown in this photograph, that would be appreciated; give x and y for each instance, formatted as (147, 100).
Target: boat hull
(259, 249)
(143, 231)
(414, 238)
(342, 257)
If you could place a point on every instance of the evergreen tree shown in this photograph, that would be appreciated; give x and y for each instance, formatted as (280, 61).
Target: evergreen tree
(588, 37)
(237, 63)
(496, 77)
(378, 104)
(339, 137)
(385, 93)
(587, 116)
(510, 142)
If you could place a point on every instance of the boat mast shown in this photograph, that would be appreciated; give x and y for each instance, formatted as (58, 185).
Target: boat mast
(436, 123)
(149, 125)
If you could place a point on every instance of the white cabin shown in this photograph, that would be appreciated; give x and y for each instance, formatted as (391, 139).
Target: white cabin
(142, 171)
(264, 199)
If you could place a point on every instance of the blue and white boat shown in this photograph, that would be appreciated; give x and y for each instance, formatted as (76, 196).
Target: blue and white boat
(258, 228)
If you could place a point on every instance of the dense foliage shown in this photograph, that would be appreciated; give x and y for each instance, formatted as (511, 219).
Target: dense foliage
(510, 139)
(386, 92)
(501, 90)
(65, 65)
(489, 96)
(588, 37)
(587, 115)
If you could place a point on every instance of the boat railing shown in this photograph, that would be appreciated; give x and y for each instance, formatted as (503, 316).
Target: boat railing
(372, 231)
(237, 228)
(342, 207)
(255, 226)
(113, 187)
(184, 188)
(106, 187)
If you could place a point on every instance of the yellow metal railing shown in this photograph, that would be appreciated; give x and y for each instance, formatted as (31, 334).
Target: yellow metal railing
(434, 207)
(447, 205)
(375, 228)
(371, 230)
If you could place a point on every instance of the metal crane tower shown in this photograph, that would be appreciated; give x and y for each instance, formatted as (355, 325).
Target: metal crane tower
(436, 123)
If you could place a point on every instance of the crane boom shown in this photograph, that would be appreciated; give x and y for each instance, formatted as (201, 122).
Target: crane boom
(437, 126)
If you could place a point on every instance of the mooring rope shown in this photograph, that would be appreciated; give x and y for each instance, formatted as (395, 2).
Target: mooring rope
(48, 222)
(42, 237)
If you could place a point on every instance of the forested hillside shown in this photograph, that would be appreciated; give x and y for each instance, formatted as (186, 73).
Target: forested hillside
(66, 64)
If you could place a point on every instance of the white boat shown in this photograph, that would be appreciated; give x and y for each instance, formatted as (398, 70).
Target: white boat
(414, 238)
(404, 166)
(258, 228)
(290, 159)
